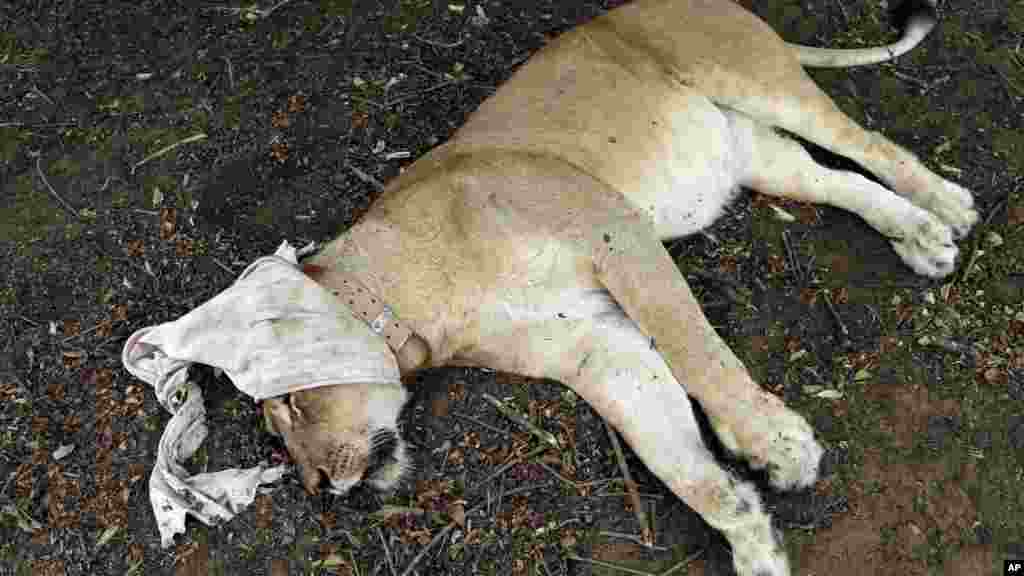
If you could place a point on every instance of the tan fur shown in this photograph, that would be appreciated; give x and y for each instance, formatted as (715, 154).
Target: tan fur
(531, 242)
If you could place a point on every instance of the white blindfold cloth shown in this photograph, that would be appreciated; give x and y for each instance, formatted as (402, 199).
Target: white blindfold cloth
(274, 331)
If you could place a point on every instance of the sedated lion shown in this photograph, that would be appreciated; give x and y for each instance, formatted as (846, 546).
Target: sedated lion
(531, 242)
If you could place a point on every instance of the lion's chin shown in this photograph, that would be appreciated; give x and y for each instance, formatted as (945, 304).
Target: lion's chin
(392, 468)
(387, 466)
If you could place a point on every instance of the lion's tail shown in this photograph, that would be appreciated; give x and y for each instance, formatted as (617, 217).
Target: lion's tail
(916, 19)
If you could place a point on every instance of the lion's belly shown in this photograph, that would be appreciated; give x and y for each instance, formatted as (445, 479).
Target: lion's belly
(525, 331)
(692, 174)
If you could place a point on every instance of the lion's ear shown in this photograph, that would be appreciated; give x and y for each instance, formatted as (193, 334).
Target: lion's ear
(277, 416)
(298, 413)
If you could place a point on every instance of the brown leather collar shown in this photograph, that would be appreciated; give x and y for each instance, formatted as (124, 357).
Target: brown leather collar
(367, 306)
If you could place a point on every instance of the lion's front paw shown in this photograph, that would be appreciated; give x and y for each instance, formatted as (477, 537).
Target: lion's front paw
(789, 452)
(759, 552)
(926, 244)
(954, 205)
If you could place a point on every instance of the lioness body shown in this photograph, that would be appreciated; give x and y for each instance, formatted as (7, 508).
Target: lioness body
(530, 242)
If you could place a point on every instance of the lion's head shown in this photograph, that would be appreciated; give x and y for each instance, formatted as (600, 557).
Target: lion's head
(342, 435)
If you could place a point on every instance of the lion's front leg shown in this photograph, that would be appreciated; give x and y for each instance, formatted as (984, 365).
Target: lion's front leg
(639, 273)
(611, 364)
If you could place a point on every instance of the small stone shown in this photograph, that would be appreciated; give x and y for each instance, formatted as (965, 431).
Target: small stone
(982, 534)
(63, 451)
(1015, 386)
(824, 423)
(939, 428)
(994, 239)
(983, 439)
(1017, 437)
(781, 214)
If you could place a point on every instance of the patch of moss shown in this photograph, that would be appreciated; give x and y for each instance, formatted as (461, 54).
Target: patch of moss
(121, 104)
(280, 38)
(16, 52)
(313, 23)
(167, 184)
(200, 71)
(1008, 144)
(336, 8)
(8, 297)
(29, 212)
(234, 104)
(98, 136)
(408, 13)
(12, 139)
(302, 551)
(263, 215)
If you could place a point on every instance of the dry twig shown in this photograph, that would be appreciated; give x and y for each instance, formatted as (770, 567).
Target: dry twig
(387, 552)
(683, 564)
(609, 565)
(251, 13)
(561, 478)
(843, 330)
(64, 204)
(482, 424)
(439, 44)
(504, 467)
(646, 532)
(168, 148)
(419, 557)
(971, 257)
(366, 177)
(543, 435)
(84, 332)
(791, 256)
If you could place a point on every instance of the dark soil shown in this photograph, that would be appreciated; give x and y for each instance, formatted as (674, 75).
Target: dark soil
(101, 234)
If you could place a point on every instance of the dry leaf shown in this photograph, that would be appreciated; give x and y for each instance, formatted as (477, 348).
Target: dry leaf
(1015, 215)
(296, 103)
(841, 296)
(71, 328)
(993, 375)
(135, 248)
(280, 120)
(457, 512)
(183, 248)
(360, 120)
(168, 222)
(279, 151)
(781, 214)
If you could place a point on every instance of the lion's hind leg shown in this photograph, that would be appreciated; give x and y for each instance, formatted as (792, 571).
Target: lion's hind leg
(801, 108)
(779, 166)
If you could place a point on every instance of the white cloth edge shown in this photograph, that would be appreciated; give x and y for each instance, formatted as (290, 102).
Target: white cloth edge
(216, 496)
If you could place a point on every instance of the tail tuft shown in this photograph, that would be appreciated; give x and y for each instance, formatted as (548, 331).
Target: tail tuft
(915, 18)
(903, 13)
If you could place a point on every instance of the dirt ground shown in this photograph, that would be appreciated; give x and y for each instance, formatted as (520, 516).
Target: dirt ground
(150, 150)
